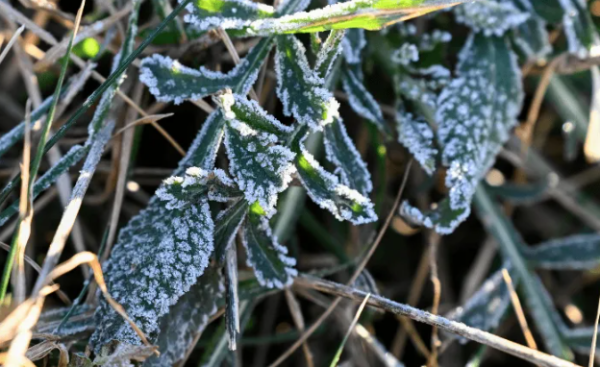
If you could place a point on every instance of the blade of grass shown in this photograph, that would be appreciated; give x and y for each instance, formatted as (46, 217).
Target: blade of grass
(338, 353)
(594, 338)
(13, 39)
(35, 165)
(514, 298)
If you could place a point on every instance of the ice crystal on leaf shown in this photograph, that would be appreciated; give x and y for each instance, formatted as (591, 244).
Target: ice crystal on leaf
(406, 54)
(272, 266)
(261, 168)
(417, 136)
(361, 101)
(300, 89)
(329, 52)
(492, 17)
(325, 189)
(476, 112)
(169, 81)
(161, 254)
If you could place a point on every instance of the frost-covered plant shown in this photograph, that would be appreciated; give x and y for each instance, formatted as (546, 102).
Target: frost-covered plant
(176, 256)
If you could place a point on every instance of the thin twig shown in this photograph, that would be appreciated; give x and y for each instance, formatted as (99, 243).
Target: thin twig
(442, 323)
(296, 312)
(355, 275)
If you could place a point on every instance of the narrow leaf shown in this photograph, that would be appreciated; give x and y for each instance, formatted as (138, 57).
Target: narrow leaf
(169, 81)
(519, 194)
(300, 89)
(581, 252)
(325, 189)
(361, 101)
(328, 53)
(531, 37)
(186, 319)
(272, 267)
(227, 224)
(342, 152)
(228, 14)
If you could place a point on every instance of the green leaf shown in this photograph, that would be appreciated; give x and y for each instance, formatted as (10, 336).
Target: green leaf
(168, 80)
(342, 152)
(580, 252)
(272, 267)
(485, 309)
(74, 155)
(300, 88)
(187, 318)
(580, 339)
(232, 313)
(367, 14)
(227, 224)
(159, 255)
(328, 53)
(198, 184)
(418, 137)
(353, 45)
(361, 101)
(326, 191)
(491, 17)
(261, 168)
(476, 112)
(511, 245)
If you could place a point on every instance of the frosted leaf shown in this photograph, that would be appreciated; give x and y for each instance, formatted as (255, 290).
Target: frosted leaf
(232, 313)
(300, 89)
(580, 252)
(159, 255)
(228, 14)
(198, 183)
(328, 53)
(406, 54)
(485, 309)
(476, 112)
(272, 267)
(187, 318)
(353, 44)
(228, 222)
(343, 154)
(291, 6)
(361, 101)
(417, 136)
(491, 17)
(261, 168)
(203, 151)
(169, 81)
(325, 189)
(74, 155)
(123, 355)
(579, 27)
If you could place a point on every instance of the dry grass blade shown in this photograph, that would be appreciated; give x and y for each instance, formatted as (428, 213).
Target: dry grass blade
(234, 55)
(514, 298)
(434, 241)
(12, 40)
(142, 121)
